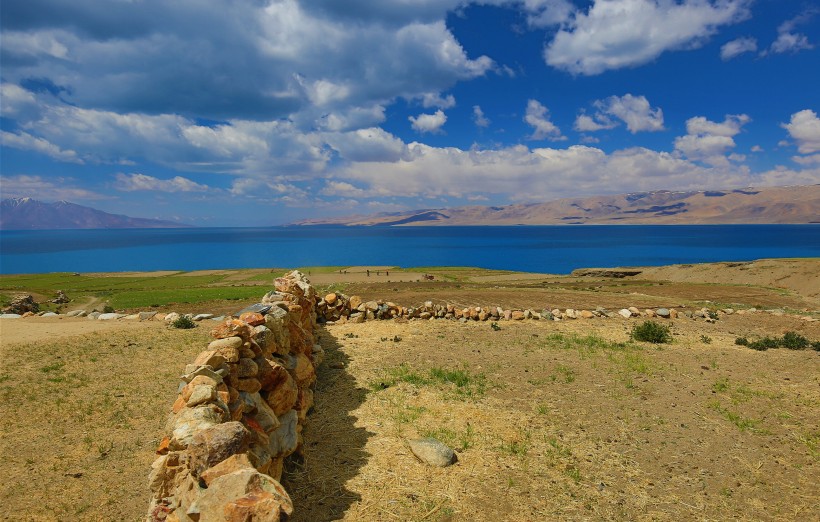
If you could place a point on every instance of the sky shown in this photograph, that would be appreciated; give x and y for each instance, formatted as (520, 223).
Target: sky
(264, 112)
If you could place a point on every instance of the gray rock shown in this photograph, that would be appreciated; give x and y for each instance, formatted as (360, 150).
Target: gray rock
(93, 315)
(147, 316)
(109, 317)
(76, 313)
(49, 314)
(663, 312)
(10, 316)
(171, 317)
(200, 317)
(432, 452)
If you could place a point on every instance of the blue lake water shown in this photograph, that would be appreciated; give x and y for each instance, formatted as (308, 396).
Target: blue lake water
(550, 249)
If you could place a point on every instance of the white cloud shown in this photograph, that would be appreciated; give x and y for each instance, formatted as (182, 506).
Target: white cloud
(756, 148)
(540, 174)
(373, 144)
(546, 13)
(790, 41)
(25, 141)
(807, 160)
(634, 111)
(137, 181)
(428, 122)
(537, 116)
(731, 126)
(585, 123)
(613, 34)
(284, 59)
(737, 47)
(51, 189)
(710, 141)
(804, 128)
(478, 117)
(433, 99)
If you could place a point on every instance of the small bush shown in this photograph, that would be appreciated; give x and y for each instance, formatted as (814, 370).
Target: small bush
(652, 332)
(742, 341)
(705, 339)
(495, 326)
(108, 309)
(794, 341)
(183, 322)
(815, 346)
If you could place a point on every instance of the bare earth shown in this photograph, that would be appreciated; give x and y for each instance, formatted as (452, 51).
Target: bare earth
(553, 420)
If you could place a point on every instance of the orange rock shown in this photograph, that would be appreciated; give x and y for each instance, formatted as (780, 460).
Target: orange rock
(331, 298)
(252, 318)
(261, 506)
(210, 358)
(162, 449)
(229, 465)
(180, 403)
(233, 328)
(248, 385)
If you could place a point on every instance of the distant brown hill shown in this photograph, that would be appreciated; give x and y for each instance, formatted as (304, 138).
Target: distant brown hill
(30, 214)
(798, 204)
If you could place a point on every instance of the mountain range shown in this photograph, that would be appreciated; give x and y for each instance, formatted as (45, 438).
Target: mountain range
(30, 214)
(795, 204)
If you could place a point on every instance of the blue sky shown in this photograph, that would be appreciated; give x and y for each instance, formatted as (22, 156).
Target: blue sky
(261, 112)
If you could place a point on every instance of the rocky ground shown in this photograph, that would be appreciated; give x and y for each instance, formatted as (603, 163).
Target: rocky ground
(549, 419)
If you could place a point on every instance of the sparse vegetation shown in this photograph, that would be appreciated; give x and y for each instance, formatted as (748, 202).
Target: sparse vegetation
(791, 340)
(652, 332)
(183, 322)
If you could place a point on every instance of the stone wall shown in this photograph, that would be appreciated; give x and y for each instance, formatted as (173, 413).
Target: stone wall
(339, 307)
(239, 414)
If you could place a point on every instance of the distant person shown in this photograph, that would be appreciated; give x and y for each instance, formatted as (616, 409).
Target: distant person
(368, 272)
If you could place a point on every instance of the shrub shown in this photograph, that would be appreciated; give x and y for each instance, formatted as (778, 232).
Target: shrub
(183, 322)
(765, 343)
(652, 332)
(108, 309)
(815, 346)
(742, 341)
(794, 341)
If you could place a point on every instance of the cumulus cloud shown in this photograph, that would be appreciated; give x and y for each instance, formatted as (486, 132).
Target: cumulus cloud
(613, 34)
(790, 41)
(275, 59)
(478, 117)
(137, 181)
(710, 141)
(804, 128)
(634, 111)
(428, 122)
(737, 47)
(537, 116)
(525, 174)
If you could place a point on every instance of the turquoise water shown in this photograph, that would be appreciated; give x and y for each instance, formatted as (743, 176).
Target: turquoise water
(551, 249)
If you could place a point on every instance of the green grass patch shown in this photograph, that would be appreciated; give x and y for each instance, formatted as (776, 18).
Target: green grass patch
(460, 381)
(742, 423)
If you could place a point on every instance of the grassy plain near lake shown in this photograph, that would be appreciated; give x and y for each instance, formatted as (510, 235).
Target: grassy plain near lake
(551, 420)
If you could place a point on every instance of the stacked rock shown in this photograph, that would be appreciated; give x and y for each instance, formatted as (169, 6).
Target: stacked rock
(339, 307)
(240, 411)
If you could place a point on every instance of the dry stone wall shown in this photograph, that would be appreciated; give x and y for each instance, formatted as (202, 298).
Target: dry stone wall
(340, 307)
(240, 411)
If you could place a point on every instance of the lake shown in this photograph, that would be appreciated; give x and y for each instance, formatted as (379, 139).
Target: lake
(549, 249)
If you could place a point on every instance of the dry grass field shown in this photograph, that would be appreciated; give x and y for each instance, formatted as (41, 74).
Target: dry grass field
(562, 420)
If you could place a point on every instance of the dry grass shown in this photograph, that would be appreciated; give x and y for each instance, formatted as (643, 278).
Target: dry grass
(81, 419)
(576, 422)
(550, 420)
